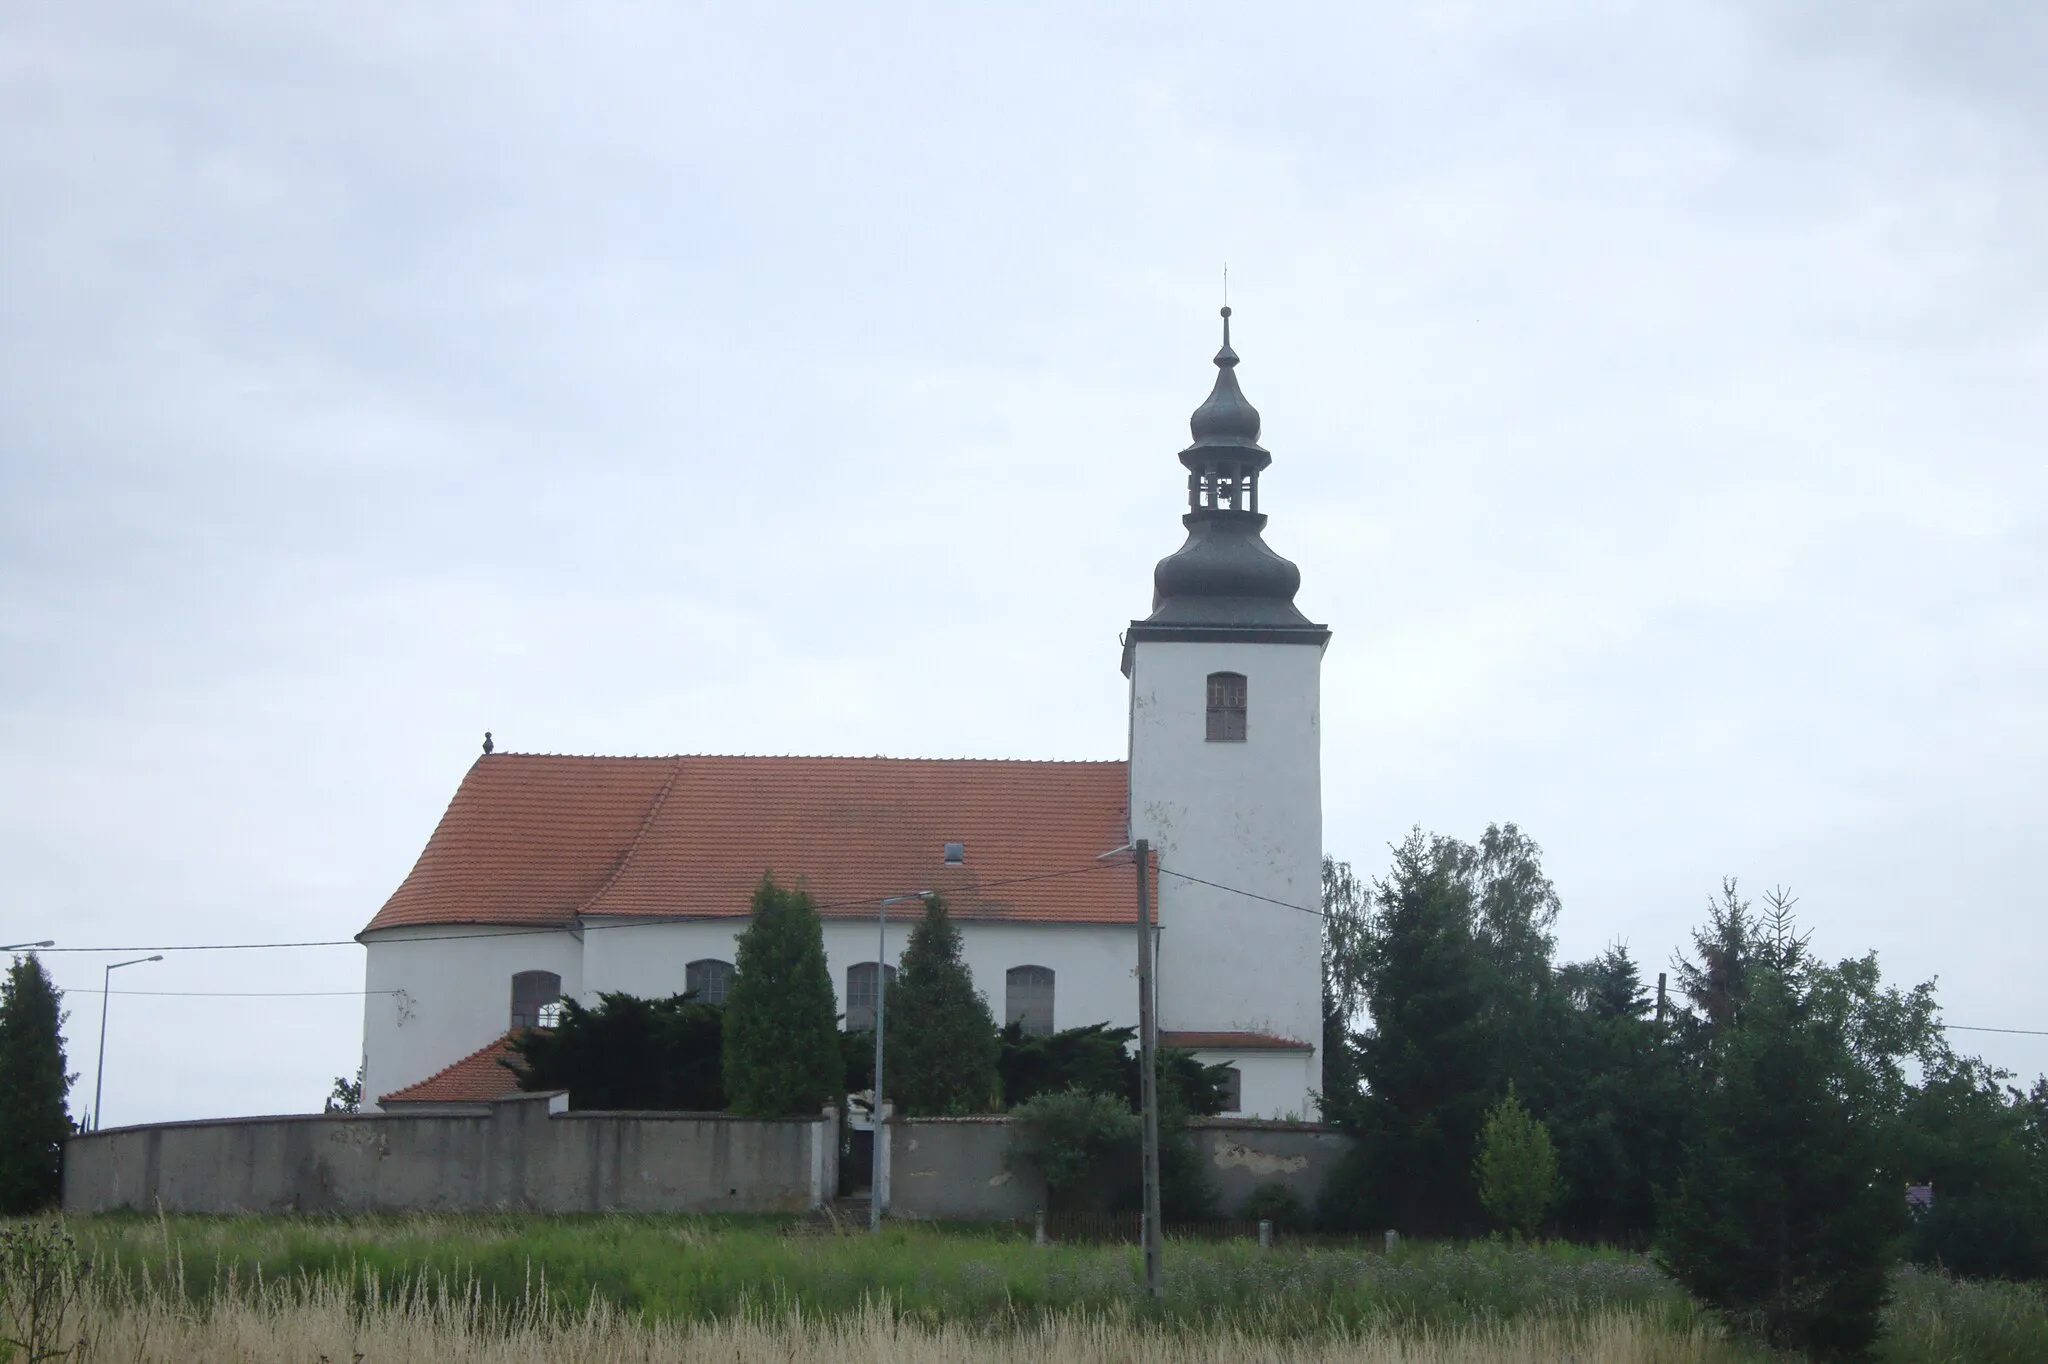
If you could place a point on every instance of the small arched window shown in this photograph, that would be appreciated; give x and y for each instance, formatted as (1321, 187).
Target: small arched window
(709, 980)
(1027, 1001)
(532, 992)
(1227, 695)
(1233, 1090)
(860, 995)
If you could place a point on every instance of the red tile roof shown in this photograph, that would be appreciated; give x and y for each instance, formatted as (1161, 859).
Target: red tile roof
(477, 1078)
(1231, 1041)
(542, 839)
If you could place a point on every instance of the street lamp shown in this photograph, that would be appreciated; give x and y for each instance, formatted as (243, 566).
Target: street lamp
(881, 997)
(106, 993)
(17, 946)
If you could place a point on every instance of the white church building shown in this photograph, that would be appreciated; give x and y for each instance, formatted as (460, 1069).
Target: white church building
(557, 876)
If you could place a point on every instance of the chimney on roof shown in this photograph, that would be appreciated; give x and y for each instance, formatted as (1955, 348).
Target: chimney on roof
(487, 742)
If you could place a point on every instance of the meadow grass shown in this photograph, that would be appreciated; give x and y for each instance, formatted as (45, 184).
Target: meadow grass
(502, 1289)
(667, 1269)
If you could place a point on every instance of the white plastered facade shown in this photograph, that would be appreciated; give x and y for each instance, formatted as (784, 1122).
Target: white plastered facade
(438, 994)
(1247, 817)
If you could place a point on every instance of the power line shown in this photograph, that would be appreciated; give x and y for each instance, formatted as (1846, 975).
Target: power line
(1248, 894)
(635, 922)
(2018, 1032)
(239, 994)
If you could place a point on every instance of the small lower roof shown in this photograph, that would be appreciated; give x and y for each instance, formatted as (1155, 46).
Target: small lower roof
(480, 1077)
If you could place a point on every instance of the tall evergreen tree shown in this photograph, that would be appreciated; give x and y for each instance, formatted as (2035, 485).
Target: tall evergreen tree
(941, 1045)
(1786, 1219)
(781, 1043)
(33, 1087)
(1428, 1060)
(1716, 984)
(1614, 1098)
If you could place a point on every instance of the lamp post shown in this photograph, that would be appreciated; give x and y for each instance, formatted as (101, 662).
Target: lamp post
(881, 998)
(99, 1078)
(17, 946)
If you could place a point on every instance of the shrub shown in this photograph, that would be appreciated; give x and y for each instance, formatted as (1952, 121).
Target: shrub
(1517, 1167)
(1274, 1202)
(629, 1053)
(1075, 1139)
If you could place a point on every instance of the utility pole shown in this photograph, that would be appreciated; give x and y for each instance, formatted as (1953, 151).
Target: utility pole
(1660, 1003)
(1148, 1078)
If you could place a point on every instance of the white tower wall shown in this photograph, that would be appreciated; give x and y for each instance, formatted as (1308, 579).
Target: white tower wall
(1246, 815)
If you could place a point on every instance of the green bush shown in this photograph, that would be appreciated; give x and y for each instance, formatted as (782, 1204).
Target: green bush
(1517, 1167)
(629, 1053)
(1276, 1203)
(1076, 1140)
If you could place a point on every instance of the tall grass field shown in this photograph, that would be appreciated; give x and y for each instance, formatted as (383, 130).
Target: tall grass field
(519, 1288)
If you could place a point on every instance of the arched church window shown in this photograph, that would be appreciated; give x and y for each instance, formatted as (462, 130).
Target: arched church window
(1027, 999)
(1233, 1090)
(1227, 696)
(860, 995)
(533, 991)
(709, 980)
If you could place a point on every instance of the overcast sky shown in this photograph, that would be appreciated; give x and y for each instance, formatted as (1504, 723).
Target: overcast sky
(1655, 393)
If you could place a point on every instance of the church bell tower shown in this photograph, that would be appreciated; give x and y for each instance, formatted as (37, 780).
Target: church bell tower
(1226, 773)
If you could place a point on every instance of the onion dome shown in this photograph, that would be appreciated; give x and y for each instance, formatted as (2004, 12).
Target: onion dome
(1224, 583)
(1226, 421)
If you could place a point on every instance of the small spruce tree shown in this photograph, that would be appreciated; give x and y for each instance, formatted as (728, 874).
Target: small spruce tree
(781, 1043)
(33, 1086)
(1517, 1167)
(1785, 1220)
(942, 1044)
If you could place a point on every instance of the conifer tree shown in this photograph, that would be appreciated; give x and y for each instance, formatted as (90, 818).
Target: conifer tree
(942, 1046)
(1517, 1167)
(33, 1086)
(1785, 1220)
(781, 1044)
(1428, 1061)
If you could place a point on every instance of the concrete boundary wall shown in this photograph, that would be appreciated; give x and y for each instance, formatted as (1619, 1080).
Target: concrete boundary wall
(529, 1154)
(958, 1167)
(525, 1154)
